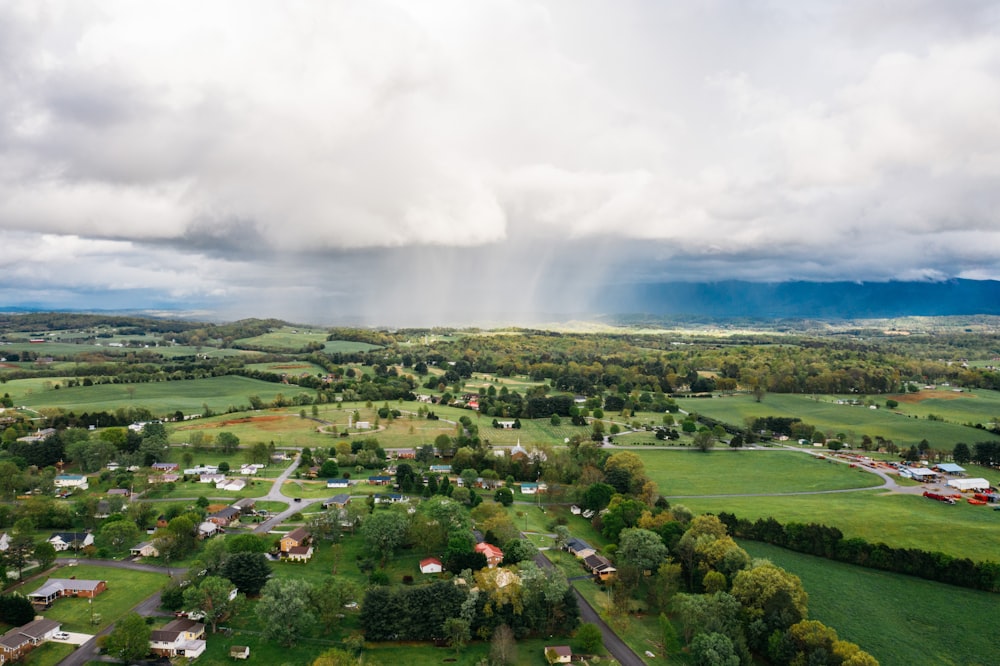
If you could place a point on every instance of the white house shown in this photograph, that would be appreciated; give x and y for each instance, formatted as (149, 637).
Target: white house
(202, 469)
(71, 481)
(231, 484)
(207, 529)
(76, 540)
(180, 637)
(430, 565)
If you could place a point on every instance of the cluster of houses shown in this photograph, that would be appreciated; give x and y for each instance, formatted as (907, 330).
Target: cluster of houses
(19, 641)
(599, 566)
(166, 472)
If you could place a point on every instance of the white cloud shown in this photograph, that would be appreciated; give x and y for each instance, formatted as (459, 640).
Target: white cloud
(673, 140)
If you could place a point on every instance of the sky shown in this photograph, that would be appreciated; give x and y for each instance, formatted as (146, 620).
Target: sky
(397, 162)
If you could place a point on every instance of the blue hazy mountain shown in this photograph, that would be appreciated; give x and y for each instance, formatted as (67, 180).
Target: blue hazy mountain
(826, 300)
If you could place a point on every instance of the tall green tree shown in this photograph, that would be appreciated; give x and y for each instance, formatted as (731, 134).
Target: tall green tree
(248, 571)
(129, 640)
(285, 610)
(383, 532)
(214, 598)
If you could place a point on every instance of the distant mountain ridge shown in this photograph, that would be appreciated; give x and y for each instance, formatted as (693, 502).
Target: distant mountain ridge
(824, 300)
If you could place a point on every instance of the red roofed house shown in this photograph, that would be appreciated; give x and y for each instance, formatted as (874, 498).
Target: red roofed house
(430, 565)
(494, 556)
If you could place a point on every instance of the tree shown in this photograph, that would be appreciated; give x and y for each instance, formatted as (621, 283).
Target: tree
(518, 550)
(589, 637)
(561, 536)
(714, 649)
(129, 640)
(15, 609)
(641, 549)
(704, 440)
(10, 479)
(961, 454)
(503, 646)
(597, 496)
(227, 442)
(284, 610)
(768, 590)
(21, 545)
(336, 657)
(328, 599)
(214, 598)
(456, 632)
(45, 555)
(248, 571)
(504, 495)
(118, 536)
(384, 532)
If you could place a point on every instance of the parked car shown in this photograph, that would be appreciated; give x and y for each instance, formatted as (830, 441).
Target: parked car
(60, 635)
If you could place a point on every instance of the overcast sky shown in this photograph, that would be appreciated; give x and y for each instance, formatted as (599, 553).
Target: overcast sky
(314, 160)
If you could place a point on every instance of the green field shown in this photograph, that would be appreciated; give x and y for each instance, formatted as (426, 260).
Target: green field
(726, 472)
(189, 396)
(899, 426)
(902, 521)
(898, 619)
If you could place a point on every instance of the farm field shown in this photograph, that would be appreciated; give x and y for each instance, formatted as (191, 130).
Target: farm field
(290, 367)
(902, 521)
(286, 338)
(898, 619)
(727, 472)
(855, 421)
(282, 426)
(163, 398)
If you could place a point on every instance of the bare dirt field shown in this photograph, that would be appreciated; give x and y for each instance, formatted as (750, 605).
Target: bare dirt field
(914, 398)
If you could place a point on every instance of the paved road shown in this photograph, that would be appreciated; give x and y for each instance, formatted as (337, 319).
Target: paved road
(612, 643)
(275, 495)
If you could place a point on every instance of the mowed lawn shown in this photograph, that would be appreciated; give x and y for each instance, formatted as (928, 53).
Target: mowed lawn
(901, 521)
(898, 619)
(125, 589)
(189, 396)
(903, 426)
(726, 472)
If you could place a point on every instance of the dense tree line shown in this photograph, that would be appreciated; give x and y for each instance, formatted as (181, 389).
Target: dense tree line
(829, 542)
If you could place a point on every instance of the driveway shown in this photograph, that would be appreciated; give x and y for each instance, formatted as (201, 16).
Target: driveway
(73, 639)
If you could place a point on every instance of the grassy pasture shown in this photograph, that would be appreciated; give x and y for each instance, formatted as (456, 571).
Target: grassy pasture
(979, 406)
(899, 425)
(725, 472)
(189, 396)
(286, 338)
(290, 367)
(898, 619)
(902, 521)
(347, 347)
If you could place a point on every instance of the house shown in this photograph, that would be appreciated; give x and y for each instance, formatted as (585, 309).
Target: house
(388, 498)
(440, 469)
(430, 565)
(56, 588)
(294, 539)
(529, 488)
(207, 529)
(239, 652)
(245, 505)
(231, 484)
(494, 556)
(103, 509)
(201, 469)
(338, 501)
(120, 492)
(579, 548)
(163, 478)
(338, 483)
(212, 477)
(599, 566)
(380, 480)
(558, 654)
(248, 469)
(71, 540)
(164, 467)
(19, 641)
(405, 454)
(179, 638)
(144, 549)
(224, 517)
(71, 481)
(299, 553)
